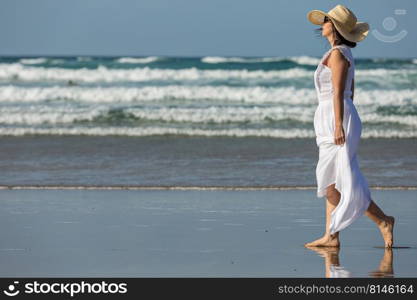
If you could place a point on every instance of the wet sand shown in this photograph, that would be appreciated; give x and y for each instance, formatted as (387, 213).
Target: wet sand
(195, 233)
(190, 161)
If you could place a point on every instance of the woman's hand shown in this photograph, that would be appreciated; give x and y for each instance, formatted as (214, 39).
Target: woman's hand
(339, 135)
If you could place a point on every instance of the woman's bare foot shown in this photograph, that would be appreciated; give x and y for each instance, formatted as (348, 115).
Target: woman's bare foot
(330, 240)
(387, 228)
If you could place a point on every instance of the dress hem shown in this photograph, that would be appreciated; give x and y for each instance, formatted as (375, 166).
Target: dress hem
(319, 192)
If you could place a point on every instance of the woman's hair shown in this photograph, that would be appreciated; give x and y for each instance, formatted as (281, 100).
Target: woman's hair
(338, 38)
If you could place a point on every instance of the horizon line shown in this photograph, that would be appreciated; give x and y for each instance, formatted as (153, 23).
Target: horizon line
(184, 56)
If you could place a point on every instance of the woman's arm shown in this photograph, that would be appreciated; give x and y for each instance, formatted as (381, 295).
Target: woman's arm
(353, 88)
(339, 66)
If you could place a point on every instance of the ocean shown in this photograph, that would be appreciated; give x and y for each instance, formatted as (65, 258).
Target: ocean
(193, 121)
(161, 165)
(197, 96)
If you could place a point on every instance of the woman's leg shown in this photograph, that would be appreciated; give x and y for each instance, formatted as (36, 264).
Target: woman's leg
(333, 198)
(385, 223)
(328, 240)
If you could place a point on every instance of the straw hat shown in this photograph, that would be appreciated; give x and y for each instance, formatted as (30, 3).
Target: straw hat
(344, 20)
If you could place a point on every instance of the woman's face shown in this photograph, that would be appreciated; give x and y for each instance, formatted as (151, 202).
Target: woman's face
(327, 27)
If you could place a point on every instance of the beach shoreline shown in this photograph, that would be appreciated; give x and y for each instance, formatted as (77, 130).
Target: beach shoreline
(244, 188)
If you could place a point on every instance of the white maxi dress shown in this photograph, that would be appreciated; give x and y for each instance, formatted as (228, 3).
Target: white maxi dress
(338, 164)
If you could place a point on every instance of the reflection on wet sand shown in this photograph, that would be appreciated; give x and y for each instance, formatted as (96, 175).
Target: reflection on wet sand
(385, 266)
(334, 269)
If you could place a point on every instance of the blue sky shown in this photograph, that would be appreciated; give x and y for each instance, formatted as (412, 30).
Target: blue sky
(193, 27)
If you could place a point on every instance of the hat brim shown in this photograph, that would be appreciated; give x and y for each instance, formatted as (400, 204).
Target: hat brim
(316, 16)
(359, 32)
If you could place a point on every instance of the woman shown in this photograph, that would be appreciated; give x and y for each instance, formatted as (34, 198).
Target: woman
(338, 129)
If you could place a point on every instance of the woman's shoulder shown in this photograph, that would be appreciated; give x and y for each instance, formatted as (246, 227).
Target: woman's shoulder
(344, 50)
(342, 47)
